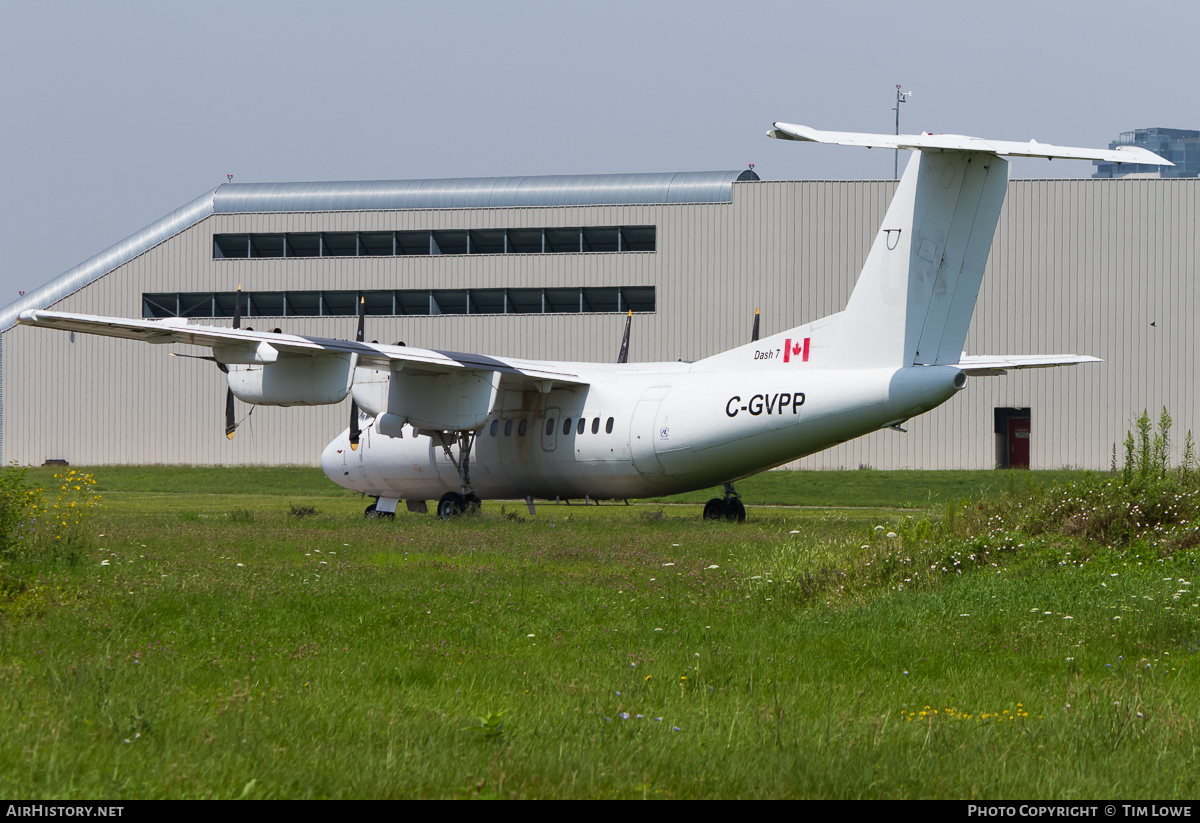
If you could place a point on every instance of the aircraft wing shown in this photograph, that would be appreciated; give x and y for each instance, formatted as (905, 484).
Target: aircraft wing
(990, 365)
(250, 347)
(959, 142)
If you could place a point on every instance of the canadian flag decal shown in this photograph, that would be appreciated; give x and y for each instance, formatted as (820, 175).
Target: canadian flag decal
(797, 349)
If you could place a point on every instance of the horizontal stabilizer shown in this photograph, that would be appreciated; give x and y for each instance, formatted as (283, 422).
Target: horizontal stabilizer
(958, 142)
(990, 365)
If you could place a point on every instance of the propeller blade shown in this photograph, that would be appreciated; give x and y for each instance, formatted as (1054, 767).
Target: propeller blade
(355, 432)
(623, 357)
(230, 422)
(754, 334)
(208, 357)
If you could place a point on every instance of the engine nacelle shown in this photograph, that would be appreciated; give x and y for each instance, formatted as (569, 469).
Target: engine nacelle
(371, 389)
(294, 380)
(454, 401)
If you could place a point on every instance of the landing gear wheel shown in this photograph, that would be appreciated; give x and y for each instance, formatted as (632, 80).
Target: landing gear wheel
(735, 511)
(472, 501)
(373, 513)
(730, 509)
(451, 505)
(714, 509)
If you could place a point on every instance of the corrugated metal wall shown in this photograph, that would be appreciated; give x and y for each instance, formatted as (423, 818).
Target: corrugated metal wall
(1078, 266)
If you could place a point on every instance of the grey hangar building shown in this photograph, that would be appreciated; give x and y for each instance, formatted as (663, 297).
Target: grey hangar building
(548, 268)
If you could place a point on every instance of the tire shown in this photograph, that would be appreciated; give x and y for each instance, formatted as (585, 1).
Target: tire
(451, 505)
(735, 511)
(715, 509)
(473, 503)
(372, 513)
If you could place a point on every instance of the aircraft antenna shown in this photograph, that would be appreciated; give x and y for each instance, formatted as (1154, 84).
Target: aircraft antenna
(901, 97)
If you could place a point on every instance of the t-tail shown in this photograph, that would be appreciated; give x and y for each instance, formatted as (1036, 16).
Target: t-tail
(914, 298)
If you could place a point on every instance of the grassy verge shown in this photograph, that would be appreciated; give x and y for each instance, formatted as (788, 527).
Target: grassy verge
(225, 648)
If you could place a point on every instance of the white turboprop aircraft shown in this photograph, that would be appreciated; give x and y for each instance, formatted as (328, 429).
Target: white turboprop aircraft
(458, 427)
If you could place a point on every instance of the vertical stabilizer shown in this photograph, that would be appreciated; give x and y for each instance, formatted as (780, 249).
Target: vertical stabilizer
(914, 299)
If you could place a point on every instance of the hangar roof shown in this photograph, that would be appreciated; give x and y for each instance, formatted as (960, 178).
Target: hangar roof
(471, 192)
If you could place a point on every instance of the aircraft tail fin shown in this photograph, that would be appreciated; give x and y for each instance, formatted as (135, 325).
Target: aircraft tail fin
(916, 293)
(914, 299)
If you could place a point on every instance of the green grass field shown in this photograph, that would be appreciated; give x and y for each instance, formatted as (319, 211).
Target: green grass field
(889, 643)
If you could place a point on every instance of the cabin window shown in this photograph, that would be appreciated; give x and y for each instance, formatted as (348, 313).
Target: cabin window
(608, 427)
(521, 428)
(508, 428)
(582, 424)
(549, 426)
(495, 427)
(566, 426)
(596, 426)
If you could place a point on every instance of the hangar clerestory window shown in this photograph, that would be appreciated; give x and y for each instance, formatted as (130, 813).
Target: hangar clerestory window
(550, 240)
(344, 303)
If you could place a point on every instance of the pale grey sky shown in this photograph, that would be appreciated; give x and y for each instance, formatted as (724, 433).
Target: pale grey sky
(116, 113)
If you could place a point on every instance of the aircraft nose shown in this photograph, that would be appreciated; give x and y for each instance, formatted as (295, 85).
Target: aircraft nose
(334, 460)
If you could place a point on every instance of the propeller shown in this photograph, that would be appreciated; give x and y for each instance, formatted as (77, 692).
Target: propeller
(754, 334)
(355, 432)
(623, 357)
(230, 422)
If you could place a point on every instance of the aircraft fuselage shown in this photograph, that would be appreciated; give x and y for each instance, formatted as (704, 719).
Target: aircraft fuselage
(644, 431)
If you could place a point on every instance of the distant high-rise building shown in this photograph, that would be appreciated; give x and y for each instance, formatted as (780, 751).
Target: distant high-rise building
(1180, 146)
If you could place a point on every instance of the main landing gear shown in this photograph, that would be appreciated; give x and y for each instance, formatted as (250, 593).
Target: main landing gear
(454, 504)
(730, 508)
